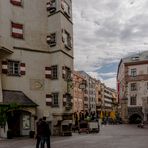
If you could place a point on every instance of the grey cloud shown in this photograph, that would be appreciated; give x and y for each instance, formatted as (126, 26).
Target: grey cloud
(107, 30)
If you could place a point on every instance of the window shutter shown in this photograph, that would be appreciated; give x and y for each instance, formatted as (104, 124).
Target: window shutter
(63, 72)
(16, 2)
(48, 99)
(4, 67)
(64, 100)
(17, 30)
(48, 72)
(22, 68)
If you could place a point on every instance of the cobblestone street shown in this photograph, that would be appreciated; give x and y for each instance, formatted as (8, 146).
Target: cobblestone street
(111, 136)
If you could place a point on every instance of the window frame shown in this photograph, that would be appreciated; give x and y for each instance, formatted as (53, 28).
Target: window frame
(133, 86)
(53, 39)
(133, 72)
(55, 101)
(54, 72)
(13, 67)
(133, 100)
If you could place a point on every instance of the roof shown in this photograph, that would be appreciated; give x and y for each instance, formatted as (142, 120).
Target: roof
(18, 97)
(136, 57)
(141, 56)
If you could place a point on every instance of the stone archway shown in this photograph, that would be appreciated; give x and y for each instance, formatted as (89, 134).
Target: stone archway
(135, 118)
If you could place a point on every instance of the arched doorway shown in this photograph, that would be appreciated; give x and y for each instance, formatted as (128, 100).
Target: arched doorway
(135, 119)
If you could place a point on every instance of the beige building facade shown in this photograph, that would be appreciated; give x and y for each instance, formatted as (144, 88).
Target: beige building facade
(36, 56)
(132, 87)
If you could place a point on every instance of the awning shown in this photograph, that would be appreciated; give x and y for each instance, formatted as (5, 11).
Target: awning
(18, 97)
(4, 51)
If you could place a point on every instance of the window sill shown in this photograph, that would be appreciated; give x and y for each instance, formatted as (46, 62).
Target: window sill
(67, 47)
(14, 75)
(55, 106)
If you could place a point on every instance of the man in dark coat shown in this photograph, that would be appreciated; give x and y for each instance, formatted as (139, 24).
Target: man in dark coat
(45, 135)
(38, 132)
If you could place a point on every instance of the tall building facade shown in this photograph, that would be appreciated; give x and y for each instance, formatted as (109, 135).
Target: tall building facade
(79, 93)
(132, 80)
(108, 100)
(90, 99)
(36, 56)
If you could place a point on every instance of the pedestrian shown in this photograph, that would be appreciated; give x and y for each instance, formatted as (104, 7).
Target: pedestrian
(45, 136)
(38, 132)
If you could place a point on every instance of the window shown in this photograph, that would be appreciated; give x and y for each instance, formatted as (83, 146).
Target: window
(16, 2)
(55, 100)
(133, 72)
(51, 39)
(133, 100)
(67, 39)
(147, 85)
(66, 8)
(54, 72)
(133, 86)
(135, 58)
(17, 30)
(51, 6)
(14, 68)
(68, 73)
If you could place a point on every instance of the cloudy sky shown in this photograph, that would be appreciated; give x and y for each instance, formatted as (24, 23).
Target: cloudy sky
(106, 31)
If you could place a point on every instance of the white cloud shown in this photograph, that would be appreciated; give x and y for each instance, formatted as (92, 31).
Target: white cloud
(108, 30)
(110, 82)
